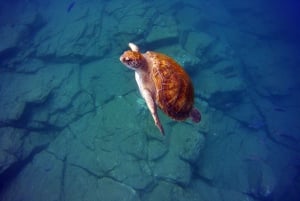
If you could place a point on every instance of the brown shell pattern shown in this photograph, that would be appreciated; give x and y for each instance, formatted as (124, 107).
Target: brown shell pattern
(174, 89)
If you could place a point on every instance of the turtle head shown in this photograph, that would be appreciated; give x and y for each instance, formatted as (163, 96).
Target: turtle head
(133, 60)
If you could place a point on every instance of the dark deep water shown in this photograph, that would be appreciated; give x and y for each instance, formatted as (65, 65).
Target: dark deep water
(73, 125)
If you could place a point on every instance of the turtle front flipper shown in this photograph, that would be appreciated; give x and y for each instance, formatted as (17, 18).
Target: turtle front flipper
(152, 107)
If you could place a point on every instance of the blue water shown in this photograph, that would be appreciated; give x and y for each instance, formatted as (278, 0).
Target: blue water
(73, 125)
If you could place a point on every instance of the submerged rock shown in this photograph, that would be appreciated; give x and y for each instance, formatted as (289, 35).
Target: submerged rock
(172, 169)
(110, 190)
(21, 91)
(40, 179)
(186, 142)
(164, 191)
(156, 150)
(11, 141)
(197, 43)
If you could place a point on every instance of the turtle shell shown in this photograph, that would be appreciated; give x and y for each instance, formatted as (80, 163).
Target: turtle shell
(174, 89)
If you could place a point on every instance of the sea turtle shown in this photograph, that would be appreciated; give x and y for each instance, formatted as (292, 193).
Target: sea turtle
(162, 82)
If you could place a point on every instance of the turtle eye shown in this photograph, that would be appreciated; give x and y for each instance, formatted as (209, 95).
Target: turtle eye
(127, 59)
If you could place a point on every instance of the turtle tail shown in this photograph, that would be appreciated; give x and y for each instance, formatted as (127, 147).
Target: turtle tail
(195, 115)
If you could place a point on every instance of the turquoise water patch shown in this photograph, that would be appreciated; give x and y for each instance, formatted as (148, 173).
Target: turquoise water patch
(74, 126)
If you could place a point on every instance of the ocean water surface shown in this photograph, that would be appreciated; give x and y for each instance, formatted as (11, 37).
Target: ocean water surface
(74, 127)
